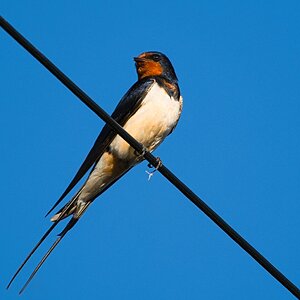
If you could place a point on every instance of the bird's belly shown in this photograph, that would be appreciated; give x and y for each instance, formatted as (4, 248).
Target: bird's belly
(153, 121)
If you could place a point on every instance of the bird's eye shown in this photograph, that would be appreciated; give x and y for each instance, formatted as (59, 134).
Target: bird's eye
(156, 57)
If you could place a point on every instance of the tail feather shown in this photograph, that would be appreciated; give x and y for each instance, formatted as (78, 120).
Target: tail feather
(77, 208)
(68, 209)
(71, 223)
(68, 227)
(81, 208)
(62, 215)
(31, 253)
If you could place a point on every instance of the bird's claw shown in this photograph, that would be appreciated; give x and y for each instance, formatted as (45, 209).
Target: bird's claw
(140, 155)
(158, 165)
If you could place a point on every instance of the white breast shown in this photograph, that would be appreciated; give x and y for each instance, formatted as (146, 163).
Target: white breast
(153, 121)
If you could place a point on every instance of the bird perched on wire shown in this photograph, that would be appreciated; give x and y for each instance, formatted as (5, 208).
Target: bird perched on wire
(149, 111)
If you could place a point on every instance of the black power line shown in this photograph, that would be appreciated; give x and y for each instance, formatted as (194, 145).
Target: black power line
(150, 158)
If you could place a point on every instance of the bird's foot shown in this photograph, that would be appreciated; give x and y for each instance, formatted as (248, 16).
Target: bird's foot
(140, 155)
(158, 165)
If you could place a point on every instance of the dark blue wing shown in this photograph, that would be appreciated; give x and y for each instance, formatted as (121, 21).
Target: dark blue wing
(128, 105)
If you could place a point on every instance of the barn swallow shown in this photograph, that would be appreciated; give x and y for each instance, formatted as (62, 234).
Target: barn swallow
(149, 111)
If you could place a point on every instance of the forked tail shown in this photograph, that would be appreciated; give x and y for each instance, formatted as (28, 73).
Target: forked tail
(69, 226)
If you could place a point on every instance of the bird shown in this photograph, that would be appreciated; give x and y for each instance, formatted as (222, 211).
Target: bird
(149, 111)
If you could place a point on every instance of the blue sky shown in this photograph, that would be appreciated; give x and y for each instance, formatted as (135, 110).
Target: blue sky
(237, 146)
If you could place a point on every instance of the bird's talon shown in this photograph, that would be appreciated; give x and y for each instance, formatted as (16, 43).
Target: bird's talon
(140, 155)
(144, 151)
(159, 163)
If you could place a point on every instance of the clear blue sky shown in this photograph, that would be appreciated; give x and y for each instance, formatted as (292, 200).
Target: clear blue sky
(237, 146)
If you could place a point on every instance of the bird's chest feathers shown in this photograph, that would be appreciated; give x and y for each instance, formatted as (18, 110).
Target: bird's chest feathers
(152, 122)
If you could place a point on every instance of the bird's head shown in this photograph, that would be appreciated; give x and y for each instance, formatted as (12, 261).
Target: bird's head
(154, 64)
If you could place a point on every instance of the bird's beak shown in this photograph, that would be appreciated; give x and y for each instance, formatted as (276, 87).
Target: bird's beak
(139, 59)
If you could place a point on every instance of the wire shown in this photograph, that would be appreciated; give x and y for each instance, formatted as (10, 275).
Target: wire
(150, 158)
